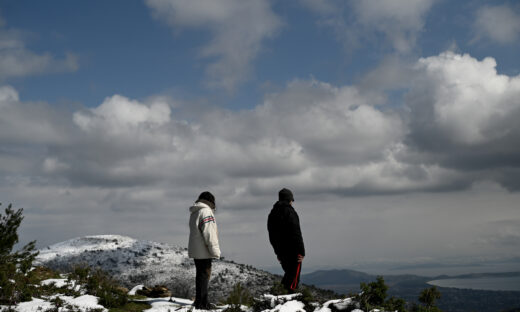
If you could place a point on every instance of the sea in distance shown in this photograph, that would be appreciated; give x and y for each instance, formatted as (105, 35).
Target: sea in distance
(489, 283)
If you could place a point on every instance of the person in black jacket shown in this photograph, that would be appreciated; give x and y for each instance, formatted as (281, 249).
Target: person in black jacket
(286, 238)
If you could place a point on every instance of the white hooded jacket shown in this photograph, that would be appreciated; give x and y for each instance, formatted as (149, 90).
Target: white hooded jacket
(203, 243)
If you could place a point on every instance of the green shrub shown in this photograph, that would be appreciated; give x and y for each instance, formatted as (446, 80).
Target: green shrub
(395, 304)
(307, 299)
(239, 295)
(278, 289)
(110, 295)
(373, 294)
(100, 284)
(307, 295)
(428, 297)
(15, 267)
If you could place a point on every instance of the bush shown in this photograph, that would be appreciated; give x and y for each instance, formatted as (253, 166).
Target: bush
(428, 297)
(15, 268)
(395, 304)
(373, 294)
(278, 289)
(239, 295)
(307, 299)
(99, 284)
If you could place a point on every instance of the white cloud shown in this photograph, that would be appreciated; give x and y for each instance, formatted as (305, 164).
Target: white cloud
(18, 61)
(399, 21)
(465, 100)
(319, 137)
(29, 123)
(238, 28)
(498, 23)
(117, 113)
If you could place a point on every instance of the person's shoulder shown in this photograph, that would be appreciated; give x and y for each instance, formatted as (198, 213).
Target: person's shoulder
(202, 208)
(207, 211)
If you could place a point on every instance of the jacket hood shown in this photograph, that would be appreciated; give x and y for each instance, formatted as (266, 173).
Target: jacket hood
(198, 206)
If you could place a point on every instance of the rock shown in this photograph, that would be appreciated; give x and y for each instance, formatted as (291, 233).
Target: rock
(158, 291)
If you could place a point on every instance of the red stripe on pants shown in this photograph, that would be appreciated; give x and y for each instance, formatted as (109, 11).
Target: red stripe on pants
(295, 281)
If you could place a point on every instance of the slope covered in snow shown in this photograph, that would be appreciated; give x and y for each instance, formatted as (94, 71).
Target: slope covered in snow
(135, 262)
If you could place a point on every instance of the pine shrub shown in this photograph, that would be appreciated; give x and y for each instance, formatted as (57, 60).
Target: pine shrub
(15, 267)
(278, 289)
(373, 294)
(428, 297)
(239, 295)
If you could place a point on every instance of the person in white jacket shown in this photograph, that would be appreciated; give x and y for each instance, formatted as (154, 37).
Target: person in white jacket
(203, 245)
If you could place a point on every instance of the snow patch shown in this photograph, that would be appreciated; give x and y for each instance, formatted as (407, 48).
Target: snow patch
(135, 289)
(35, 305)
(84, 302)
(57, 282)
(290, 306)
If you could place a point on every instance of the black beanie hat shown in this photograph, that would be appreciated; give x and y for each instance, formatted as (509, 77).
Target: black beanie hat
(285, 195)
(207, 196)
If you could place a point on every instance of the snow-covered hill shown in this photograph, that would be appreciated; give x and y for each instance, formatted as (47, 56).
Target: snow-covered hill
(135, 262)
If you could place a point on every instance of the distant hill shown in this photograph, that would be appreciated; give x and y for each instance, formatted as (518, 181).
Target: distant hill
(409, 287)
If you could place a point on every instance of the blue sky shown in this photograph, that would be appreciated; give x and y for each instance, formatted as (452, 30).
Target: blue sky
(122, 49)
(391, 121)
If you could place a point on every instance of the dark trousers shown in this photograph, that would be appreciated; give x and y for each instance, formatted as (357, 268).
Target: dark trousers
(203, 273)
(291, 278)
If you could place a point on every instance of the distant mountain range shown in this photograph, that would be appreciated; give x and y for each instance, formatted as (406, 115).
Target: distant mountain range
(409, 287)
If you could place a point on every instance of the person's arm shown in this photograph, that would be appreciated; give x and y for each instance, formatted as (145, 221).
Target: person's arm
(208, 228)
(273, 236)
(296, 234)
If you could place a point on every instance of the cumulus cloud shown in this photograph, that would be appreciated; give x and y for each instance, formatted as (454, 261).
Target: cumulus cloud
(460, 127)
(118, 113)
(29, 123)
(16, 60)
(463, 115)
(238, 28)
(469, 100)
(295, 132)
(498, 23)
(400, 22)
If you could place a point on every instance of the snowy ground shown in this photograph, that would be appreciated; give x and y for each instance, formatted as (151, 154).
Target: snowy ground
(82, 303)
(87, 303)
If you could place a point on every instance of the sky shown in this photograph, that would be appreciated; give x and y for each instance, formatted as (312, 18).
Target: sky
(394, 123)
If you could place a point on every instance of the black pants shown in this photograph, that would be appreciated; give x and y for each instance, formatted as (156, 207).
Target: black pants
(291, 278)
(203, 273)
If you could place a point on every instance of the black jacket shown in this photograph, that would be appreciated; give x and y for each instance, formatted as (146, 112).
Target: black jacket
(285, 235)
